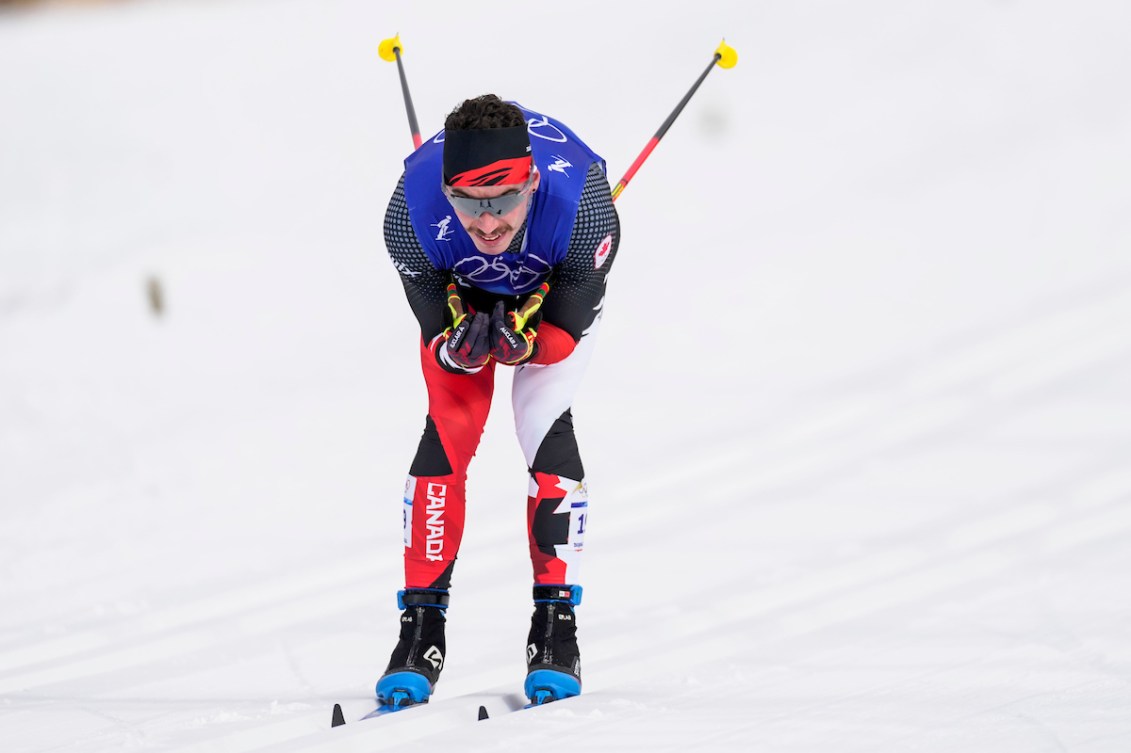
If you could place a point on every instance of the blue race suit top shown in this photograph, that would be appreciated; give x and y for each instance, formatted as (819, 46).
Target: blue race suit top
(563, 161)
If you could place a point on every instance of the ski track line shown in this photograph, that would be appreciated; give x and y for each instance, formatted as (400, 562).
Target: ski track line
(962, 360)
(846, 591)
(248, 597)
(817, 617)
(256, 608)
(1018, 346)
(962, 720)
(121, 662)
(890, 422)
(952, 570)
(1015, 360)
(719, 482)
(326, 591)
(900, 429)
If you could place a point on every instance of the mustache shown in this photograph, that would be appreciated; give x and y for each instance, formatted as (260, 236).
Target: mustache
(501, 230)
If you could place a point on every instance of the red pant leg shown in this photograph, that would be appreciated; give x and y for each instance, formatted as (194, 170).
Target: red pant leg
(435, 499)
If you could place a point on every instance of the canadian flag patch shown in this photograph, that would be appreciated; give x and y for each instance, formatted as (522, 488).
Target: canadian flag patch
(603, 249)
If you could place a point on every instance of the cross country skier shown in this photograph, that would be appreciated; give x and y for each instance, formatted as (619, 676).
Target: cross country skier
(503, 231)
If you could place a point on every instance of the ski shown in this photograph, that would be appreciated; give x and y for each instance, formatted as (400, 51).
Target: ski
(486, 705)
(338, 717)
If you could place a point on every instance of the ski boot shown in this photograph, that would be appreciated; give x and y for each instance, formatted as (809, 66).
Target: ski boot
(419, 655)
(553, 661)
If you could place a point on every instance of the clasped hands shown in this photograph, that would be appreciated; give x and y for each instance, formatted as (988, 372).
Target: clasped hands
(506, 336)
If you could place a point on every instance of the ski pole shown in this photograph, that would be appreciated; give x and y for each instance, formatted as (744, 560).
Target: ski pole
(725, 57)
(390, 50)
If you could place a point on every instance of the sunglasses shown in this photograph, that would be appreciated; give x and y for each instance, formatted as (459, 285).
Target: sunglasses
(496, 205)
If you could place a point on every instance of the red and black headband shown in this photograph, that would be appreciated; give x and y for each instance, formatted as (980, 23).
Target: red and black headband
(487, 156)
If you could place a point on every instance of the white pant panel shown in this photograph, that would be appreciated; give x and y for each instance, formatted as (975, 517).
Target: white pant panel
(540, 394)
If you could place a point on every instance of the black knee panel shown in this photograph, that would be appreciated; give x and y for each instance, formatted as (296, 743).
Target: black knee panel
(558, 453)
(431, 459)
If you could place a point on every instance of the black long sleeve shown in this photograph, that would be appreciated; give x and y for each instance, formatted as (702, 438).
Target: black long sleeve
(424, 285)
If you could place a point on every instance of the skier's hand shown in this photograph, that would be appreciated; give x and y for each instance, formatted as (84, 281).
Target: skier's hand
(464, 346)
(512, 333)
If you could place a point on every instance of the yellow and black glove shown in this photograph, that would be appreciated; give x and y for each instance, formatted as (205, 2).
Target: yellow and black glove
(512, 333)
(465, 346)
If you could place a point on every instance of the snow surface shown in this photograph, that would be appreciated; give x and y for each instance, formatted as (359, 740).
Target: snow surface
(858, 429)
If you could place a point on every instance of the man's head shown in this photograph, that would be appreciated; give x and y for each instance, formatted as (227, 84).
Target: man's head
(489, 173)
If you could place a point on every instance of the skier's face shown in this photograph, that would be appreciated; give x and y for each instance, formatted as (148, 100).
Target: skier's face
(490, 232)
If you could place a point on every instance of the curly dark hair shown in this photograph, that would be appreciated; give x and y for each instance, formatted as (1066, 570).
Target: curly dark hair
(487, 111)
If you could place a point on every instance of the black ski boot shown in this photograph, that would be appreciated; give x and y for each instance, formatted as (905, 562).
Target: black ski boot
(418, 658)
(553, 661)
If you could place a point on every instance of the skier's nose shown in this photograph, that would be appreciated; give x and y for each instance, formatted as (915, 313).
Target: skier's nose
(488, 223)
